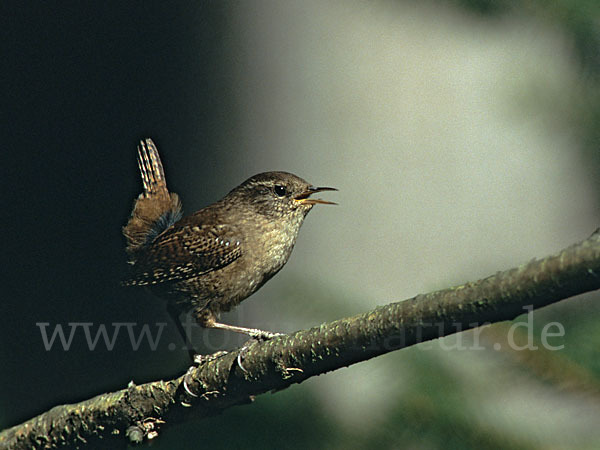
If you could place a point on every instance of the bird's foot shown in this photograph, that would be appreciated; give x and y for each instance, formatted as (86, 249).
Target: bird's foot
(199, 359)
(259, 335)
(256, 336)
(262, 335)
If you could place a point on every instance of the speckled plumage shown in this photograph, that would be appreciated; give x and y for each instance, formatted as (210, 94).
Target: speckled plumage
(213, 259)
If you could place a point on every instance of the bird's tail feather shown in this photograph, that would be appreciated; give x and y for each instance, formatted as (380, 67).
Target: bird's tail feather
(156, 209)
(151, 169)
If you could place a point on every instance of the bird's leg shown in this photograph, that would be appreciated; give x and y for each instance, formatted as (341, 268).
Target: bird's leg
(255, 333)
(196, 357)
(174, 313)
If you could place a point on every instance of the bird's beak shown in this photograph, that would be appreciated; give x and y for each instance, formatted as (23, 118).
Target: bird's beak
(305, 200)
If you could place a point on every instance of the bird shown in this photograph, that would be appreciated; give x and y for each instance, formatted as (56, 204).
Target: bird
(213, 259)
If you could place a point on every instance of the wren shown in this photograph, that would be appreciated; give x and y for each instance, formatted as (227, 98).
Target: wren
(210, 261)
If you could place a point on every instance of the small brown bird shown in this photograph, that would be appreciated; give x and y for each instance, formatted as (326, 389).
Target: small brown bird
(213, 259)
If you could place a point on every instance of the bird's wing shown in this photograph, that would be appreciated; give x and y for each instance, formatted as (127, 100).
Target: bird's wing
(186, 251)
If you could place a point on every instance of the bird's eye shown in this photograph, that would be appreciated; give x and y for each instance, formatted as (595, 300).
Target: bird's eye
(280, 190)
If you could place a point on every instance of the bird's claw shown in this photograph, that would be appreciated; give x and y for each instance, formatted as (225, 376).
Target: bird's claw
(258, 336)
(199, 359)
(240, 356)
(185, 381)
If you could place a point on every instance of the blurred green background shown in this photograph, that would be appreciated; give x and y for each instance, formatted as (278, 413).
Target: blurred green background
(463, 136)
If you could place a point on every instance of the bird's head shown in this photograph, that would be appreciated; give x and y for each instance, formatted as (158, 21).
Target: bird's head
(278, 195)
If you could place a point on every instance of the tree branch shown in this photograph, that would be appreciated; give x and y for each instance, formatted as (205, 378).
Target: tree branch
(138, 411)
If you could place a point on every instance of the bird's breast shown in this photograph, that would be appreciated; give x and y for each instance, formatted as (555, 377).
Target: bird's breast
(269, 249)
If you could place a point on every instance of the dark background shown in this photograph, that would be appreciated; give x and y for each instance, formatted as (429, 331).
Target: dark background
(80, 85)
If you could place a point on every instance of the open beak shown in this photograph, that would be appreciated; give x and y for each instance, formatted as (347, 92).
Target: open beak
(305, 200)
